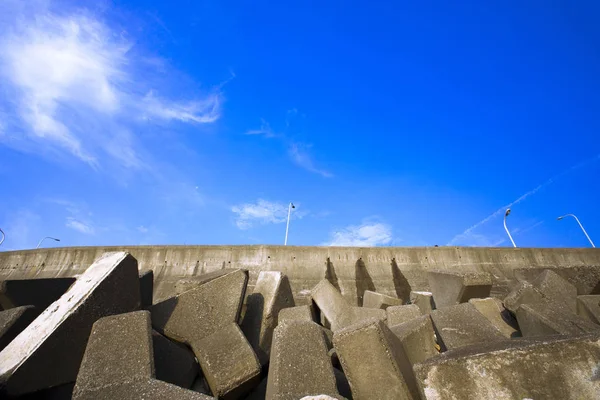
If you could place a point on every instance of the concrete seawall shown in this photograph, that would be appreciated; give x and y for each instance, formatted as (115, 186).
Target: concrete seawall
(390, 270)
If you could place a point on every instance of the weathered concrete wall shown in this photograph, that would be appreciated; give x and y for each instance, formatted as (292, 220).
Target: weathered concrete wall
(389, 270)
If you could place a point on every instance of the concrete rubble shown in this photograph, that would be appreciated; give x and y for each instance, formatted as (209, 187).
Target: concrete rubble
(462, 325)
(377, 300)
(424, 300)
(338, 313)
(299, 363)
(272, 293)
(58, 336)
(389, 373)
(99, 336)
(119, 364)
(399, 314)
(451, 288)
(588, 306)
(205, 318)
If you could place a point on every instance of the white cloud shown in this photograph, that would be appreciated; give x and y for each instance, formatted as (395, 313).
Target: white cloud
(264, 130)
(75, 86)
(263, 212)
(142, 229)
(299, 154)
(365, 235)
(80, 226)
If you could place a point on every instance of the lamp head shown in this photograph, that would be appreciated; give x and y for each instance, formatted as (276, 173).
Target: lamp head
(559, 218)
(507, 213)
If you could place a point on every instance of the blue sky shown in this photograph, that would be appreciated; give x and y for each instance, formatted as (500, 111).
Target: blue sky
(386, 123)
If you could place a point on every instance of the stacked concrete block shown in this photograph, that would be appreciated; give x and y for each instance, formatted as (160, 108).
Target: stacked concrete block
(543, 319)
(562, 368)
(497, 315)
(462, 325)
(424, 300)
(192, 282)
(272, 293)
(337, 312)
(377, 300)
(298, 313)
(174, 363)
(417, 338)
(374, 362)
(13, 322)
(119, 364)
(397, 315)
(588, 306)
(299, 363)
(450, 288)
(205, 318)
(58, 336)
(547, 287)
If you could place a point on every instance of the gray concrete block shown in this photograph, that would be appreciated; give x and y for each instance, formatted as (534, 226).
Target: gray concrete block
(32, 292)
(497, 315)
(151, 389)
(424, 300)
(205, 318)
(562, 368)
(228, 362)
(374, 362)
(547, 287)
(146, 288)
(549, 319)
(417, 338)
(299, 363)
(338, 313)
(201, 386)
(397, 315)
(451, 288)
(192, 282)
(588, 306)
(13, 322)
(377, 300)
(462, 325)
(298, 313)
(119, 363)
(174, 363)
(272, 293)
(58, 336)
(557, 288)
(201, 311)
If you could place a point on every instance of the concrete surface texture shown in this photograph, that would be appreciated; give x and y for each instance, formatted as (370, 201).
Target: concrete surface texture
(541, 341)
(394, 271)
(60, 333)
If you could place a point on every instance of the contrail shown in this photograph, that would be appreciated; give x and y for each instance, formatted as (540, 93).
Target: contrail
(520, 199)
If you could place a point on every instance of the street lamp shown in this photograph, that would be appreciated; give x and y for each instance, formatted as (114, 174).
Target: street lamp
(581, 226)
(506, 229)
(3, 236)
(287, 227)
(47, 237)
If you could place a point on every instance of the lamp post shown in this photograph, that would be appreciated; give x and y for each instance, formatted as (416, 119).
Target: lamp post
(47, 237)
(506, 229)
(287, 227)
(581, 226)
(3, 236)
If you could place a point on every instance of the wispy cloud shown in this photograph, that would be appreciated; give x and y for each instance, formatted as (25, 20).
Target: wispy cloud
(364, 235)
(467, 236)
(262, 212)
(298, 152)
(301, 157)
(80, 226)
(75, 86)
(264, 130)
